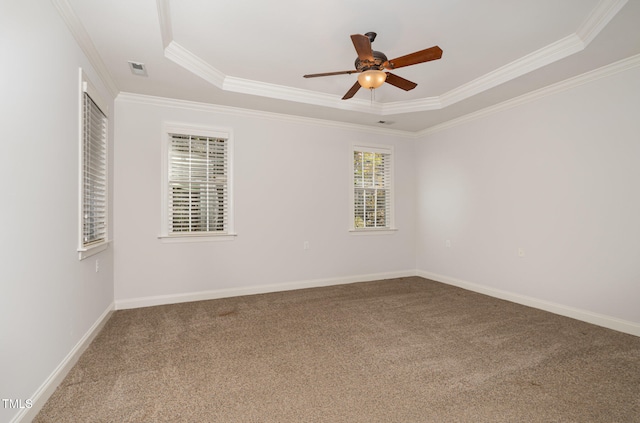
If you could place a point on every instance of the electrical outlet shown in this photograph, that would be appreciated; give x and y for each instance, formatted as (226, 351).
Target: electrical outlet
(305, 245)
(521, 252)
(448, 243)
(97, 265)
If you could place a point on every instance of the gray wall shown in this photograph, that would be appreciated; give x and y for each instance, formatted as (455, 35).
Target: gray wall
(291, 185)
(49, 299)
(557, 177)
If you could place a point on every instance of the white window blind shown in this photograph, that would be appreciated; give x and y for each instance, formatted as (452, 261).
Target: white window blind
(372, 188)
(94, 173)
(198, 188)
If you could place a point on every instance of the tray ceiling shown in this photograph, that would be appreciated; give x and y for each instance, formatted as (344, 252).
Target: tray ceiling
(253, 54)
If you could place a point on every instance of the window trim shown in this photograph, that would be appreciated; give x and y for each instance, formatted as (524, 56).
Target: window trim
(85, 86)
(374, 148)
(169, 128)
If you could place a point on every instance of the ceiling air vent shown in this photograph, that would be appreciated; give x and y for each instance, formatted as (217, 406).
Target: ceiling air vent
(138, 68)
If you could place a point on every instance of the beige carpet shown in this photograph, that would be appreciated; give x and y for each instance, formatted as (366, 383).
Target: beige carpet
(401, 350)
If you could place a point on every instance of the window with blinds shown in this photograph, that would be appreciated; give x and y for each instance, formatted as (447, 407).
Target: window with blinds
(198, 185)
(93, 173)
(372, 196)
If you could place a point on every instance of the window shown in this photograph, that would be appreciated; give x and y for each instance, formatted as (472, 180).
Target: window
(197, 187)
(93, 171)
(372, 188)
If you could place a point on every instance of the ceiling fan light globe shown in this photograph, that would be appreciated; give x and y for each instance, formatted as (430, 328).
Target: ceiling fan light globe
(372, 79)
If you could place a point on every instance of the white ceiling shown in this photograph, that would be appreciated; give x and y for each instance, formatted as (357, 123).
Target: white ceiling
(252, 54)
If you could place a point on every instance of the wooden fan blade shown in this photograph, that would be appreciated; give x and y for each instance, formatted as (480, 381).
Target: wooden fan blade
(363, 47)
(433, 53)
(315, 75)
(400, 82)
(352, 91)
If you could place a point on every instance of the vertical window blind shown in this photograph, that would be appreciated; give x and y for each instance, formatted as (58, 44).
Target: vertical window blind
(198, 185)
(372, 189)
(94, 173)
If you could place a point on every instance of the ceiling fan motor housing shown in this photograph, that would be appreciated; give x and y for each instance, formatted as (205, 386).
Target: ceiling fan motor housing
(371, 65)
(378, 59)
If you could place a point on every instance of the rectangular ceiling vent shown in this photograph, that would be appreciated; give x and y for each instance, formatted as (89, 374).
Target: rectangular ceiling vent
(138, 68)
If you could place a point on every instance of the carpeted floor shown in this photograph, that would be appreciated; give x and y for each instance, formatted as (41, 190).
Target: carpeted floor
(400, 350)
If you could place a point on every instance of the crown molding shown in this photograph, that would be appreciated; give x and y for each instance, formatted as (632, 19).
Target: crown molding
(86, 45)
(542, 57)
(409, 106)
(603, 72)
(237, 111)
(194, 64)
(164, 18)
(599, 17)
(281, 92)
(183, 57)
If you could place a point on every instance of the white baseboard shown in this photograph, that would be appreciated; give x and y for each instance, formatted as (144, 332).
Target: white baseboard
(563, 310)
(45, 390)
(251, 290)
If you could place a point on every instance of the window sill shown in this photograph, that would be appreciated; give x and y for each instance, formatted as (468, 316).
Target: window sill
(373, 231)
(91, 250)
(169, 239)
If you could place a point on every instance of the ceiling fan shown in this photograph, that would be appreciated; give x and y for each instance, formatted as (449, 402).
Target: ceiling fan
(370, 64)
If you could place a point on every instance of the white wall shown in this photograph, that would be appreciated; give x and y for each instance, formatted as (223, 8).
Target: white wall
(558, 177)
(48, 298)
(291, 185)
